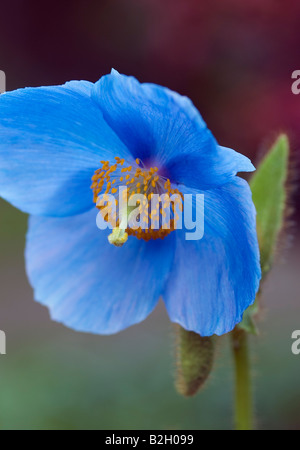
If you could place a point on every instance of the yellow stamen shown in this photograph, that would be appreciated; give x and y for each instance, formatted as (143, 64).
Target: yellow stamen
(138, 179)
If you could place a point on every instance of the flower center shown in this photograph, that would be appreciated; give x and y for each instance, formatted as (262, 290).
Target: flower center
(157, 203)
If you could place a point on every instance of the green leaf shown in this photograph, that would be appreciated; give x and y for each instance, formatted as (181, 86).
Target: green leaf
(248, 323)
(268, 187)
(195, 356)
(269, 190)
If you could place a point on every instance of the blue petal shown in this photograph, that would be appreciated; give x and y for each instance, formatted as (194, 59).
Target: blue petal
(88, 284)
(215, 279)
(51, 141)
(164, 128)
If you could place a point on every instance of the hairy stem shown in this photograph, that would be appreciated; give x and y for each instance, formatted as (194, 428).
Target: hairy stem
(243, 388)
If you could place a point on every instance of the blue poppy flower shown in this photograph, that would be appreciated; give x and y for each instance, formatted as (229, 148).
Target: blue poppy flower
(52, 140)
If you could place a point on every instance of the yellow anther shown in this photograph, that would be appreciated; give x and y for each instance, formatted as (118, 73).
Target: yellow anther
(118, 237)
(137, 178)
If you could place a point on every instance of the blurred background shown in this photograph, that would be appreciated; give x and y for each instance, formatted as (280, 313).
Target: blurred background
(234, 60)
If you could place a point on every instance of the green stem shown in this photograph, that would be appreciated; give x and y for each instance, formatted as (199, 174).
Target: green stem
(243, 389)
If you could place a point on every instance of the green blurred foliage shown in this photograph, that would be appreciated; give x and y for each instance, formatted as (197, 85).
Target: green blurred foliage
(54, 378)
(56, 386)
(13, 224)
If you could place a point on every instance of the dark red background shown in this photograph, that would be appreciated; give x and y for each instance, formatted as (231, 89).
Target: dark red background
(233, 58)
